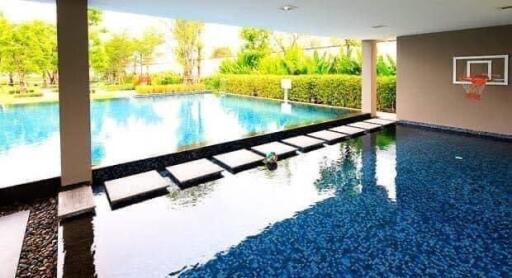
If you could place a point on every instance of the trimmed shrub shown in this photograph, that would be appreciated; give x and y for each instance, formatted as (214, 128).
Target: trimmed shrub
(174, 88)
(336, 90)
(119, 87)
(166, 78)
(386, 93)
(29, 94)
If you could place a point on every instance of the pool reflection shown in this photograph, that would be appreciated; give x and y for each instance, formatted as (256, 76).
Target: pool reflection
(187, 228)
(146, 126)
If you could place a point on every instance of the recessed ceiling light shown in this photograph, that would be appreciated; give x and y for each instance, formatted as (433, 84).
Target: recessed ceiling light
(505, 8)
(379, 26)
(287, 8)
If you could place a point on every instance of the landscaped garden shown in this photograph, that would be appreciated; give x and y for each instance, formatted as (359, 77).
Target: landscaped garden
(120, 65)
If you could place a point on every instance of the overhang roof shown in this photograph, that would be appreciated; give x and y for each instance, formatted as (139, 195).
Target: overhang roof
(345, 18)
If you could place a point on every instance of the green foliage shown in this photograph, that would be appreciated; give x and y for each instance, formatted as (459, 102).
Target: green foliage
(188, 49)
(27, 48)
(295, 61)
(94, 17)
(211, 82)
(321, 64)
(119, 51)
(30, 93)
(345, 64)
(386, 93)
(166, 78)
(256, 40)
(337, 90)
(234, 66)
(174, 88)
(118, 87)
(145, 46)
(271, 64)
(386, 66)
(256, 47)
(221, 52)
(18, 91)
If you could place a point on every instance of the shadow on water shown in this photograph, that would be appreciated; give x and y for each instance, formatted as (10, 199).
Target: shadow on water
(76, 253)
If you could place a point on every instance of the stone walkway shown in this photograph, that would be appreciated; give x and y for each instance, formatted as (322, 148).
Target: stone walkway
(12, 233)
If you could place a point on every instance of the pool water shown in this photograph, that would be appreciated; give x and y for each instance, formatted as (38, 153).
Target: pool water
(129, 129)
(401, 202)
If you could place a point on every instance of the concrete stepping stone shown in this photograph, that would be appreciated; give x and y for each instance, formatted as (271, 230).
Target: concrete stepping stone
(74, 202)
(12, 234)
(329, 136)
(278, 148)
(365, 126)
(303, 142)
(126, 188)
(194, 171)
(348, 130)
(238, 160)
(380, 121)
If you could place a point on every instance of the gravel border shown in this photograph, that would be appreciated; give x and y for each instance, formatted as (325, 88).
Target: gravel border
(39, 252)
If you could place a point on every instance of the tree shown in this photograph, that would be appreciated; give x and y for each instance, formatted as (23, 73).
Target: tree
(349, 45)
(188, 37)
(199, 50)
(145, 47)
(284, 41)
(5, 44)
(94, 17)
(255, 39)
(98, 59)
(45, 57)
(221, 52)
(21, 52)
(119, 51)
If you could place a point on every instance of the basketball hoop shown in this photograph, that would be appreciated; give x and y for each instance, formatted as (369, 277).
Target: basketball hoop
(475, 87)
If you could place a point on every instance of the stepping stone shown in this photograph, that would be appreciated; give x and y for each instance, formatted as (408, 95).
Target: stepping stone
(194, 170)
(238, 159)
(329, 136)
(365, 126)
(122, 189)
(277, 147)
(380, 121)
(348, 130)
(303, 142)
(12, 233)
(74, 202)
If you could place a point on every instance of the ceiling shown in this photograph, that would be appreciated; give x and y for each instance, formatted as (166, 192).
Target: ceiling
(342, 18)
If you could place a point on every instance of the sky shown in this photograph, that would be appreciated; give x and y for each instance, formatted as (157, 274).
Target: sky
(214, 35)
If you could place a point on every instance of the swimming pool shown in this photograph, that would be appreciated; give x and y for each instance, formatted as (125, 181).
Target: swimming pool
(128, 129)
(401, 202)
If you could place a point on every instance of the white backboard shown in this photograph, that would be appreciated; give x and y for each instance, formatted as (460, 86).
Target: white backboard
(494, 66)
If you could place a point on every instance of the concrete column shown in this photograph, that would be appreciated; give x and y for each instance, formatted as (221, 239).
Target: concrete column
(75, 127)
(369, 77)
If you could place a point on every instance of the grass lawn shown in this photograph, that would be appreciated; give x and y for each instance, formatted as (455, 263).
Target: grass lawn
(50, 96)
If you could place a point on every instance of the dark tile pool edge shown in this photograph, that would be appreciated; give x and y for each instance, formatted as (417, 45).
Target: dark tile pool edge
(459, 131)
(30, 191)
(160, 162)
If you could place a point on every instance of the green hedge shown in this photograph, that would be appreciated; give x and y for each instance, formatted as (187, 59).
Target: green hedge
(29, 94)
(118, 87)
(174, 88)
(337, 90)
(386, 93)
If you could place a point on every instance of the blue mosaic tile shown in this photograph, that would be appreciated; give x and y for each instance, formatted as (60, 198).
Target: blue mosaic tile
(451, 216)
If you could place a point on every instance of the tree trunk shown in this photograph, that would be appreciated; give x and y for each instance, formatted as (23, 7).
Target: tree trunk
(45, 80)
(11, 79)
(141, 63)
